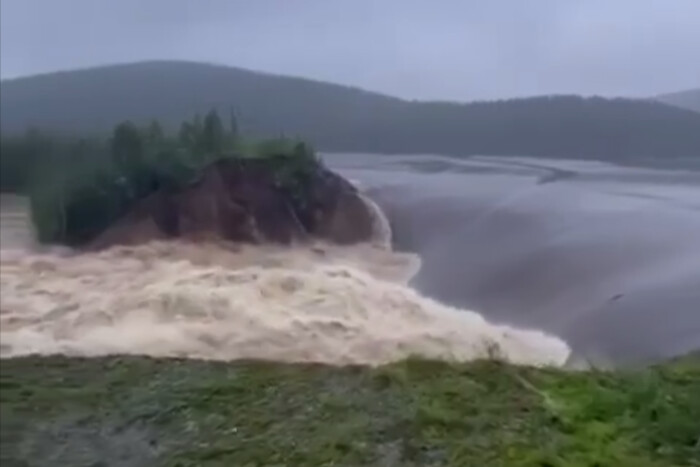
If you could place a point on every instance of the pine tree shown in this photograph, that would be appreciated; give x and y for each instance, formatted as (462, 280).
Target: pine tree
(213, 133)
(187, 135)
(233, 124)
(127, 153)
(155, 133)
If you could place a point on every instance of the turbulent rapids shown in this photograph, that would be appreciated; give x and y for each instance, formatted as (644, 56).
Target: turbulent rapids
(213, 300)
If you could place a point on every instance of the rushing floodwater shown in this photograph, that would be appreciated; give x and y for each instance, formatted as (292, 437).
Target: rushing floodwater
(606, 257)
(217, 300)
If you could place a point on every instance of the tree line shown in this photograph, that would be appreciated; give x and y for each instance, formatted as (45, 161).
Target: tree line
(78, 186)
(342, 119)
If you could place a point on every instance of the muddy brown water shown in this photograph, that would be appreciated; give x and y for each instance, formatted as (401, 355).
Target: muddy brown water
(217, 300)
(607, 258)
(15, 226)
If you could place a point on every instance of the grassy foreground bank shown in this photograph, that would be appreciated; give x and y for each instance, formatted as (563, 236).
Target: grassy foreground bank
(141, 411)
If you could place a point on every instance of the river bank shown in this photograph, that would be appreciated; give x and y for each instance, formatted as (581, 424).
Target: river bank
(139, 411)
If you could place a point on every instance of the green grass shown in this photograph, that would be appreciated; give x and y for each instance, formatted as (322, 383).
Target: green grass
(135, 411)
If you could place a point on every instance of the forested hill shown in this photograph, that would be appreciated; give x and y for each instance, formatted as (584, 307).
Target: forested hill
(340, 118)
(685, 99)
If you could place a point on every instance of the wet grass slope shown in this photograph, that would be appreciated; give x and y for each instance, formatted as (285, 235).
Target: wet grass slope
(134, 411)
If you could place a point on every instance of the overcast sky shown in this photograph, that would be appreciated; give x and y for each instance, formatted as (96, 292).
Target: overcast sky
(423, 49)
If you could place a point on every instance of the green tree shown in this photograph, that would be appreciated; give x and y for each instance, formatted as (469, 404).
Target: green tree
(155, 134)
(233, 124)
(303, 152)
(198, 129)
(127, 145)
(187, 135)
(21, 156)
(213, 133)
(127, 153)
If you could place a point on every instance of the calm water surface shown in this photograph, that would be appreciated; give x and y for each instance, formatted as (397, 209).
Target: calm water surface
(606, 257)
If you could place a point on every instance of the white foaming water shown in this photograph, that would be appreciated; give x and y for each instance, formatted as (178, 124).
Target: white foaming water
(382, 229)
(319, 303)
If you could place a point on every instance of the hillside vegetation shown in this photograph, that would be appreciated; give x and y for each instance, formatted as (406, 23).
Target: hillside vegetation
(339, 118)
(79, 186)
(139, 411)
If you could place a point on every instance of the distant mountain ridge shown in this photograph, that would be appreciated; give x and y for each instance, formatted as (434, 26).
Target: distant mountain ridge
(689, 99)
(342, 118)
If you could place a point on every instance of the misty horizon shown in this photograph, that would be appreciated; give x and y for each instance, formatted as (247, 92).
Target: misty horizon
(459, 51)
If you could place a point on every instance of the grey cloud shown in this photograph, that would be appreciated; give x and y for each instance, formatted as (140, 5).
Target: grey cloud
(449, 49)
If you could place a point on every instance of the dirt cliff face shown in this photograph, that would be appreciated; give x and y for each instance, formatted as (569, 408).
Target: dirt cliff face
(271, 199)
